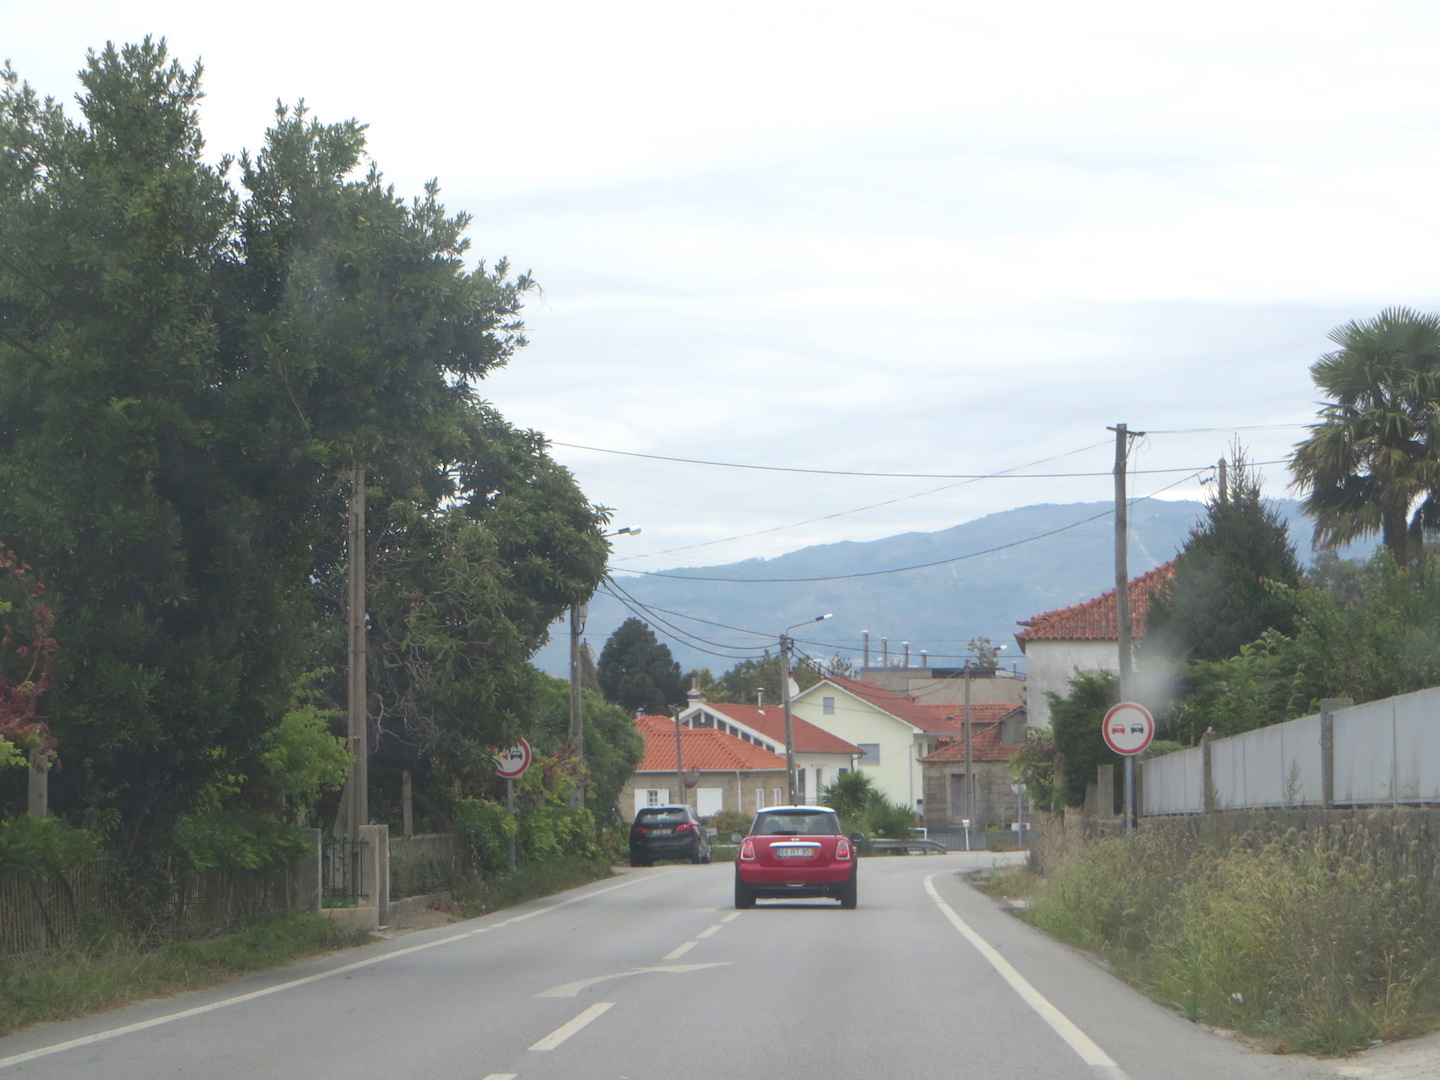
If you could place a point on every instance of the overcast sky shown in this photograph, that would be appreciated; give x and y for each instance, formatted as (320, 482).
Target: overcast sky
(923, 238)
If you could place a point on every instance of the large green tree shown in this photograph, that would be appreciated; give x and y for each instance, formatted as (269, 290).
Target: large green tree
(1218, 597)
(637, 671)
(187, 380)
(1371, 465)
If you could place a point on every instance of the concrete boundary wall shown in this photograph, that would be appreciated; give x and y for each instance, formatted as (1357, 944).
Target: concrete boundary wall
(1381, 753)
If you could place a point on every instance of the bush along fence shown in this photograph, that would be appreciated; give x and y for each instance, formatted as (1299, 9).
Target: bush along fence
(44, 909)
(1381, 753)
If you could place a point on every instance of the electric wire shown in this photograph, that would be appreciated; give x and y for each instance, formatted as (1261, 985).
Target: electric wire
(918, 566)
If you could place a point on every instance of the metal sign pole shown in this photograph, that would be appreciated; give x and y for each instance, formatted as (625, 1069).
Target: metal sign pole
(510, 805)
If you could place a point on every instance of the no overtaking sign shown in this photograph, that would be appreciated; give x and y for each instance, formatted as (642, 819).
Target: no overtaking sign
(1128, 728)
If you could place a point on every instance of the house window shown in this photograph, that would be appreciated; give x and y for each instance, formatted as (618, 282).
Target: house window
(652, 798)
(827, 706)
(759, 798)
(869, 753)
(777, 796)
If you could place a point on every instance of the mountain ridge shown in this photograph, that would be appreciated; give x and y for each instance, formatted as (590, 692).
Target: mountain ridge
(935, 590)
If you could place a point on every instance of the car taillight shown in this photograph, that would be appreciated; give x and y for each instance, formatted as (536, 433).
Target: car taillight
(842, 850)
(685, 826)
(747, 851)
(638, 830)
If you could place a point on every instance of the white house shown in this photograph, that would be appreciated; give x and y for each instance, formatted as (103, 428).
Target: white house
(819, 755)
(1082, 637)
(893, 731)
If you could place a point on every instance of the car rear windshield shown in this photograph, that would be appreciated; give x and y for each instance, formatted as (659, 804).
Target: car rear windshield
(796, 824)
(662, 817)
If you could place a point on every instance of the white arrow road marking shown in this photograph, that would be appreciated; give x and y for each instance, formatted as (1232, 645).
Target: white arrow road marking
(570, 990)
(564, 1031)
(1082, 1044)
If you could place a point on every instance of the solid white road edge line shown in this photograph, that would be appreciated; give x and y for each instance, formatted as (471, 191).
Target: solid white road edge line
(185, 1014)
(560, 1034)
(1062, 1025)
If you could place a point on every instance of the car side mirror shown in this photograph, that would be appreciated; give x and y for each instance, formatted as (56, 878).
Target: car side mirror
(857, 838)
(735, 838)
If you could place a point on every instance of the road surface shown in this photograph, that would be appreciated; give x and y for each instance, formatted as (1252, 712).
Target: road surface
(653, 975)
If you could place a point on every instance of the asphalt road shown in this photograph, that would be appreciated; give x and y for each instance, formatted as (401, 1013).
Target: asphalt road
(655, 976)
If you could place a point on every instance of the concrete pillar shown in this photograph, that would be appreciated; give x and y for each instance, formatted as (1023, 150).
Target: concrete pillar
(376, 874)
(1328, 708)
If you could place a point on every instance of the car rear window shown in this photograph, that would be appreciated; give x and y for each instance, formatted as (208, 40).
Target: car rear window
(662, 817)
(796, 824)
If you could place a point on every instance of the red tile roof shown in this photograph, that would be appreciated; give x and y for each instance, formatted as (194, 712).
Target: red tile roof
(928, 716)
(703, 748)
(950, 718)
(770, 721)
(1094, 620)
(901, 706)
(985, 745)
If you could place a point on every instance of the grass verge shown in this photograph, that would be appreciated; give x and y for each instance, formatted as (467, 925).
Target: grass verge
(114, 969)
(1320, 940)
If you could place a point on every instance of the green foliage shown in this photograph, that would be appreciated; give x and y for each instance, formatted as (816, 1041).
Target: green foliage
(1369, 465)
(741, 682)
(1034, 765)
(236, 839)
(1219, 597)
(44, 847)
(1377, 635)
(487, 828)
(848, 795)
(186, 379)
(613, 744)
(1075, 722)
(865, 809)
(302, 759)
(1318, 938)
(887, 819)
(638, 673)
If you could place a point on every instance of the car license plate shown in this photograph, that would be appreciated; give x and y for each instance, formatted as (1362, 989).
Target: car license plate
(792, 852)
(661, 832)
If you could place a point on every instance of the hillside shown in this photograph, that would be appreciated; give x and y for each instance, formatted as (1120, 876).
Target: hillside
(978, 578)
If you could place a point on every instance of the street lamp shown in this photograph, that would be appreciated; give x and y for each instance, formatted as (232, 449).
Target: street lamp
(785, 644)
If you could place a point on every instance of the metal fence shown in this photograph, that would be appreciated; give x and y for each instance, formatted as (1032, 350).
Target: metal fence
(1382, 753)
(342, 872)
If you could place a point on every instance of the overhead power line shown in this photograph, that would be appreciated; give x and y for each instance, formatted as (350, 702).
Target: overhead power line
(900, 569)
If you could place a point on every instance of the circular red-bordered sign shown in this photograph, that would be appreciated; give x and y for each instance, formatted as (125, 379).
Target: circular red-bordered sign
(1128, 728)
(513, 762)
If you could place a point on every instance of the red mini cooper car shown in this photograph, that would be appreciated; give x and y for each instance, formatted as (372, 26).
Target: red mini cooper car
(796, 851)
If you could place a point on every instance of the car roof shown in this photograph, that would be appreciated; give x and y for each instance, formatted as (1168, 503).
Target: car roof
(653, 809)
(797, 809)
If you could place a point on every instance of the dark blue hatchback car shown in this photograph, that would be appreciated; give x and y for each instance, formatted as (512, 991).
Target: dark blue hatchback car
(668, 832)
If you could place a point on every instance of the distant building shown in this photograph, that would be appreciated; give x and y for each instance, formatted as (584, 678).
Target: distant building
(997, 731)
(1082, 637)
(819, 756)
(893, 730)
(729, 773)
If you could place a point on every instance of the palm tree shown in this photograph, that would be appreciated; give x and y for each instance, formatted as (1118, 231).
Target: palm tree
(1372, 463)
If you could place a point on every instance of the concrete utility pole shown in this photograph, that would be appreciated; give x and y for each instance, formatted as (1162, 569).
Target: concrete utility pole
(1122, 600)
(358, 727)
(578, 614)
